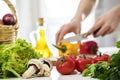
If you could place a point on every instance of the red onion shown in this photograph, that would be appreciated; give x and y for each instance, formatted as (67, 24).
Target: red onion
(9, 19)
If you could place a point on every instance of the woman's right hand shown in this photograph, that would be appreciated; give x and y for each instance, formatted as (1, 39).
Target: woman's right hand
(106, 23)
(73, 26)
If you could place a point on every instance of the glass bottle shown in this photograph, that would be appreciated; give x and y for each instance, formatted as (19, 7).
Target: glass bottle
(41, 44)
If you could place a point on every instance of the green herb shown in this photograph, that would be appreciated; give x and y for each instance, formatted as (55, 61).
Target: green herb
(95, 70)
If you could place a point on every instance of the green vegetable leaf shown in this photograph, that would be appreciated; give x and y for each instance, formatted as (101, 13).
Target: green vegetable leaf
(14, 58)
(95, 70)
(118, 44)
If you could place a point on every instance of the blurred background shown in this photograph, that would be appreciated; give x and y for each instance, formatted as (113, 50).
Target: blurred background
(56, 13)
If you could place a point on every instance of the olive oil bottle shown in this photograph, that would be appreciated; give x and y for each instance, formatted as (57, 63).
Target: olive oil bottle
(41, 44)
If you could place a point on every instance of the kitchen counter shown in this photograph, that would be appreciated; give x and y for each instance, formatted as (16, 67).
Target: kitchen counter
(56, 76)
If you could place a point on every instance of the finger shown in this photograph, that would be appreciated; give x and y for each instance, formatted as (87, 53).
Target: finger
(77, 31)
(95, 32)
(60, 35)
(111, 30)
(57, 36)
(96, 27)
(102, 30)
(106, 32)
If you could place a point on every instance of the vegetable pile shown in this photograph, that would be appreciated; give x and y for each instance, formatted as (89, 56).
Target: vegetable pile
(105, 70)
(68, 64)
(14, 58)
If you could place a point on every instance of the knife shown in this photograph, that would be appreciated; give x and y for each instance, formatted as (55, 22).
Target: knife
(77, 37)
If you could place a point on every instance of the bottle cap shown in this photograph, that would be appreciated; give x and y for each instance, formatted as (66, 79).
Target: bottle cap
(40, 21)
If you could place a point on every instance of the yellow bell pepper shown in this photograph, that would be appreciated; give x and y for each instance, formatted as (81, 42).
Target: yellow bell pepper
(67, 48)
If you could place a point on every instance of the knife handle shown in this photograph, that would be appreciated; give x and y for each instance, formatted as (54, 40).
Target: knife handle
(96, 31)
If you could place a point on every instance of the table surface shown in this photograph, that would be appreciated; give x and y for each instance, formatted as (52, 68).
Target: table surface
(56, 76)
(75, 76)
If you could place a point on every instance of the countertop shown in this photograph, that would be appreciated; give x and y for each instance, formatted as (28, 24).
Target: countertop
(56, 76)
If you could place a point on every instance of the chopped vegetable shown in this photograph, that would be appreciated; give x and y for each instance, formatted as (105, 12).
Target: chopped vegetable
(14, 58)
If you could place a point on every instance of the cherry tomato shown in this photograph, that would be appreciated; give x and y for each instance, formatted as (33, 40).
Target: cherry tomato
(100, 58)
(65, 65)
(81, 63)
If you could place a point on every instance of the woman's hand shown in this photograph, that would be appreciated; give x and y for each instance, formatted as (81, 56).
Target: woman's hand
(106, 23)
(73, 26)
(84, 8)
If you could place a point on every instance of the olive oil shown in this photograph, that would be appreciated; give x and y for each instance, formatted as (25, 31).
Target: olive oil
(41, 44)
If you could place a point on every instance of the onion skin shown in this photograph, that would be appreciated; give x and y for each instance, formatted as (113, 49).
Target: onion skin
(9, 19)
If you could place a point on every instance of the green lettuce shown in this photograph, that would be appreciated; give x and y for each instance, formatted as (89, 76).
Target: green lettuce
(14, 58)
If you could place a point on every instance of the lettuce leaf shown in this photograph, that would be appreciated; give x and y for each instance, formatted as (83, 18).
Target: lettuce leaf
(14, 58)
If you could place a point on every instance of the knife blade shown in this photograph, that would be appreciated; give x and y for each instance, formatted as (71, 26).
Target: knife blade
(77, 37)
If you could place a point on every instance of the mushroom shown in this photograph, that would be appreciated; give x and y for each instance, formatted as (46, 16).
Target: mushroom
(38, 67)
(46, 62)
(46, 66)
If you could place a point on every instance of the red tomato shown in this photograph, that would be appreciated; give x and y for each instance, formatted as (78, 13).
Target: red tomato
(74, 58)
(100, 58)
(81, 63)
(106, 57)
(65, 65)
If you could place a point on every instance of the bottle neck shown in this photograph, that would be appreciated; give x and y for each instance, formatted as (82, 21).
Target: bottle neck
(42, 33)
